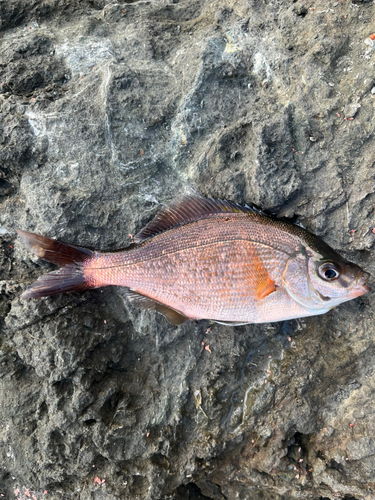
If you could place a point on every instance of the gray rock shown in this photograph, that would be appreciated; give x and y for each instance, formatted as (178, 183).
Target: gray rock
(350, 110)
(108, 111)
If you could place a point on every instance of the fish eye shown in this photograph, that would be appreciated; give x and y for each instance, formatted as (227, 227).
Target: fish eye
(329, 271)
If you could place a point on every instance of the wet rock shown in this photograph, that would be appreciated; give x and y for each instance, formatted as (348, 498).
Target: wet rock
(109, 110)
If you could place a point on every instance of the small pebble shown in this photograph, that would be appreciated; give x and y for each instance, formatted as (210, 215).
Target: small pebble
(350, 110)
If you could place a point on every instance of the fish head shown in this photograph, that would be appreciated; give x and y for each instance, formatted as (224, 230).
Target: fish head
(320, 280)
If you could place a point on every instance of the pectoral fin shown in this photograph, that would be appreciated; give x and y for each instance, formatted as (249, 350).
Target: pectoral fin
(259, 281)
(265, 288)
(138, 300)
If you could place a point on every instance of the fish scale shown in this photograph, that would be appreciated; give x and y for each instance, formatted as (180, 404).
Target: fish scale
(209, 281)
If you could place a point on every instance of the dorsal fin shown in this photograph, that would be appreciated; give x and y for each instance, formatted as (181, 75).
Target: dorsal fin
(188, 209)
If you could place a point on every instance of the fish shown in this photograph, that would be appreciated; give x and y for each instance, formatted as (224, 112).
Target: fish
(205, 258)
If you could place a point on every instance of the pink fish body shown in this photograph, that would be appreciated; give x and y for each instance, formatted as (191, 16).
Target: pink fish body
(210, 259)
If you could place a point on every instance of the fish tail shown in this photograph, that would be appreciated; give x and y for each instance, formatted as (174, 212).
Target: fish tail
(68, 278)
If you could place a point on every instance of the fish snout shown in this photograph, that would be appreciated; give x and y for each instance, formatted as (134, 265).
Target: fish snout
(361, 287)
(363, 278)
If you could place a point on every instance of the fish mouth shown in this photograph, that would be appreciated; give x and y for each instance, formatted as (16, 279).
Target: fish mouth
(363, 278)
(361, 287)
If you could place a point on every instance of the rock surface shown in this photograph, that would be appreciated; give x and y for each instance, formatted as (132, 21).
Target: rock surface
(109, 110)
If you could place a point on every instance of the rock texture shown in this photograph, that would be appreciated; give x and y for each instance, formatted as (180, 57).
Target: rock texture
(109, 110)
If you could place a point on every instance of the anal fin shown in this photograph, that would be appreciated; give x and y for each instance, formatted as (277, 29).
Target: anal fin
(174, 317)
(138, 300)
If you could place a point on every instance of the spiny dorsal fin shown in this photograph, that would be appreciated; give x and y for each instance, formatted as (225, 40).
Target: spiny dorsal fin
(174, 317)
(188, 209)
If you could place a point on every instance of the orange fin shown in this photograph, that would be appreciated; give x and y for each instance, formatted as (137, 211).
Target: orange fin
(265, 289)
(138, 300)
(259, 281)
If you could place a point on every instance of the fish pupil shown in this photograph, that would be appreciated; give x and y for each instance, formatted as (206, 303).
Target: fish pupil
(330, 274)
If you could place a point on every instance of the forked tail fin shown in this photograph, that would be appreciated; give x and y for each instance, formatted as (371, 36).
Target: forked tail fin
(67, 279)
